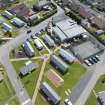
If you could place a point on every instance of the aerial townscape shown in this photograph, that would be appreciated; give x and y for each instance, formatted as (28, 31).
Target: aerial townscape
(52, 52)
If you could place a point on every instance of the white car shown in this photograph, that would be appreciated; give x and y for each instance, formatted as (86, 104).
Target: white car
(87, 62)
(68, 102)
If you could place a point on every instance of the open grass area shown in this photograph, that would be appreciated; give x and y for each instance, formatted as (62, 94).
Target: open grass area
(6, 89)
(92, 100)
(14, 101)
(74, 74)
(30, 80)
(102, 37)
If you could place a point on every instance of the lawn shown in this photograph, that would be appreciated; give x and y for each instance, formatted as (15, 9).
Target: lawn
(6, 89)
(30, 80)
(15, 101)
(92, 100)
(74, 74)
(102, 37)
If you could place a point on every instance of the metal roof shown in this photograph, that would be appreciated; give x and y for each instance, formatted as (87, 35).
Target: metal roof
(62, 66)
(101, 96)
(67, 29)
(18, 22)
(38, 43)
(48, 40)
(52, 95)
(28, 49)
(66, 55)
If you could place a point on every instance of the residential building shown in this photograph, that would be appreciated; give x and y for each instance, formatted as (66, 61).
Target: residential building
(27, 68)
(7, 14)
(38, 44)
(66, 56)
(50, 93)
(59, 64)
(6, 27)
(101, 98)
(49, 41)
(17, 22)
(28, 49)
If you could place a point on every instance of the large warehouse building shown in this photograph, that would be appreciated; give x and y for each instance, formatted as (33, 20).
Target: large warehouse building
(68, 29)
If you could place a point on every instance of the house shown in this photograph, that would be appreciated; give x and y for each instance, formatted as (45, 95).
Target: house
(6, 27)
(99, 20)
(50, 93)
(68, 29)
(66, 56)
(48, 41)
(85, 11)
(28, 49)
(17, 22)
(7, 14)
(38, 44)
(85, 23)
(21, 11)
(27, 68)
(101, 6)
(101, 98)
(59, 64)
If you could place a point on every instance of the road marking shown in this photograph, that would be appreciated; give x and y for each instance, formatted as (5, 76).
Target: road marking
(26, 102)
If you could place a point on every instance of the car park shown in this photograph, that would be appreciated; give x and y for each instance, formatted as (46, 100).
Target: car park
(87, 62)
(91, 61)
(68, 102)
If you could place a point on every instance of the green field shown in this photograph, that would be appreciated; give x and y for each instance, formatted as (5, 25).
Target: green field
(74, 74)
(6, 89)
(30, 80)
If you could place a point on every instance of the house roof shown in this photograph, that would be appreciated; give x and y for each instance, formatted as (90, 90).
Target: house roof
(52, 95)
(27, 68)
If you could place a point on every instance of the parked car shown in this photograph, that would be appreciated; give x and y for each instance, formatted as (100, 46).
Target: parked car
(87, 62)
(68, 102)
(91, 61)
(29, 31)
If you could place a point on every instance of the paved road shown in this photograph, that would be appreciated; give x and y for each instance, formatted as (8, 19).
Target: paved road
(81, 92)
(4, 59)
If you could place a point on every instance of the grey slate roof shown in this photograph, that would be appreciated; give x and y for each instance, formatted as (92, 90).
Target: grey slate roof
(51, 94)
(66, 55)
(49, 41)
(27, 69)
(62, 66)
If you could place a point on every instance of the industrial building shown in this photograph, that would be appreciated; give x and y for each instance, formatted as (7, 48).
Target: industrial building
(6, 27)
(17, 22)
(66, 56)
(28, 49)
(38, 44)
(68, 29)
(7, 14)
(50, 93)
(27, 68)
(59, 64)
(101, 98)
(48, 41)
